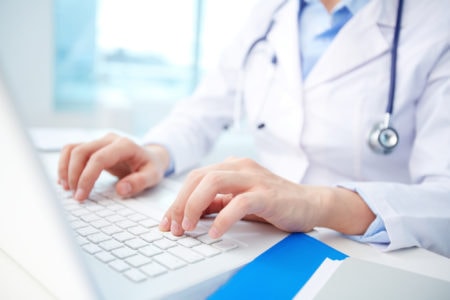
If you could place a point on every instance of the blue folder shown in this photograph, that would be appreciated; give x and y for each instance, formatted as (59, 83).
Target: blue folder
(280, 272)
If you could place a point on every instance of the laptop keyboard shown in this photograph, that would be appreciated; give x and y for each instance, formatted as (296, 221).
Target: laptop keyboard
(130, 242)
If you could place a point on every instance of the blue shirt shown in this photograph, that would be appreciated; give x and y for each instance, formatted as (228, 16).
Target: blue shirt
(318, 28)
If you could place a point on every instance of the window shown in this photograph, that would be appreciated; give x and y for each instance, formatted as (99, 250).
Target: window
(137, 55)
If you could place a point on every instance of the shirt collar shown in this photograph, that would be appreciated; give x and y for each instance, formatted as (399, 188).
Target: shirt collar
(352, 5)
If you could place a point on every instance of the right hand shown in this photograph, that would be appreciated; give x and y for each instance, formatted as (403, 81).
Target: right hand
(137, 167)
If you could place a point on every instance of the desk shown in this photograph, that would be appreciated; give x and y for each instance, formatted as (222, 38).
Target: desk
(15, 283)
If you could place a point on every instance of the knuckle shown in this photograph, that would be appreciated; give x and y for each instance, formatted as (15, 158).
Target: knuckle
(78, 151)
(195, 175)
(231, 159)
(110, 136)
(248, 162)
(177, 211)
(243, 203)
(68, 147)
(214, 179)
(98, 158)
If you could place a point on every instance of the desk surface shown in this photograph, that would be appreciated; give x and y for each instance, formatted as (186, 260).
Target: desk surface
(13, 278)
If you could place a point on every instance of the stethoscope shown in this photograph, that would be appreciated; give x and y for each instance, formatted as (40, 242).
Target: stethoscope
(383, 138)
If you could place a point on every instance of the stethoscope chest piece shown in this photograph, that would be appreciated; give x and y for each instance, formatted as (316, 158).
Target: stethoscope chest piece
(383, 139)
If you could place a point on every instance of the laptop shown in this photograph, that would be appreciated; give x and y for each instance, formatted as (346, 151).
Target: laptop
(51, 236)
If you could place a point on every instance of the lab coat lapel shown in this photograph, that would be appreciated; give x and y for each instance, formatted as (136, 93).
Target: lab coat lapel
(344, 55)
(284, 39)
(287, 115)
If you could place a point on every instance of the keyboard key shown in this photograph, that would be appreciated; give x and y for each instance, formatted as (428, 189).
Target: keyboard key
(80, 212)
(125, 212)
(100, 223)
(206, 239)
(186, 254)
(206, 250)
(153, 269)
(136, 217)
(119, 265)
(89, 217)
(110, 245)
(115, 207)
(111, 229)
(105, 256)
(92, 206)
(172, 237)
(136, 243)
(150, 250)
(188, 242)
(137, 230)
(104, 213)
(84, 231)
(149, 223)
(226, 245)
(78, 224)
(115, 218)
(164, 243)
(126, 224)
(91, 248)
(123, 236)
(135, 275)
(137, 260)
(98, 237)
(81, 240)
(152, 236)
(170, 261)
(200, 230)
(123, 252)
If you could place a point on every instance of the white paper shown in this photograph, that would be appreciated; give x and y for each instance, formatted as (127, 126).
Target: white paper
(318, 279)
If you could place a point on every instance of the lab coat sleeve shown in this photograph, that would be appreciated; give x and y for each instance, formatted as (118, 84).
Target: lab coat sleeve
(418, 214)
(195, 123)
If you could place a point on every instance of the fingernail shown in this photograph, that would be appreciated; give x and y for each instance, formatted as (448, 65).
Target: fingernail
(164, 225)
(175, 228)
(79, 194)
(186, 224)
(214, 233)
(64, 184)
(124, 188)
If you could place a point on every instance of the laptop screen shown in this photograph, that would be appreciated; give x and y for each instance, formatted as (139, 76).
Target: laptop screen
(33, 231)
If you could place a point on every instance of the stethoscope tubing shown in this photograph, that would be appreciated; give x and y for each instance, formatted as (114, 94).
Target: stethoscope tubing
(384, 126)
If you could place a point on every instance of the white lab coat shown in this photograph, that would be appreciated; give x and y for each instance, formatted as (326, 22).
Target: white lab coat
(316, 130)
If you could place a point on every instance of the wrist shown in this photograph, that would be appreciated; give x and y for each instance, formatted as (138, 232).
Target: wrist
(344, 211)
(161, 154)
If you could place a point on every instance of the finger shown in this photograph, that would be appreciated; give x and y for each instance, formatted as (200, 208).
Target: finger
(63, 165)
(240, 206)
(174, 216)
(218, 182)
(79, 157)
(102, 159)
(220, 201)
(138, 181)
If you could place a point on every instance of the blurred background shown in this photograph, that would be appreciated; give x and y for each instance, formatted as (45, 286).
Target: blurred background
(110, 63)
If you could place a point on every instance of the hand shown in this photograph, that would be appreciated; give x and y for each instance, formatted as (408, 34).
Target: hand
(137, 167)
(240, 188)
(236, 189)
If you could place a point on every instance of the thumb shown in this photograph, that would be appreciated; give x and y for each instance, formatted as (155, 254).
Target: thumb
(136, 182)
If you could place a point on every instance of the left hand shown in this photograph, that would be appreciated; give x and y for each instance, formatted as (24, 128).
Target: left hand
(241, 188)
